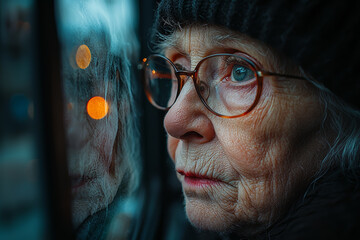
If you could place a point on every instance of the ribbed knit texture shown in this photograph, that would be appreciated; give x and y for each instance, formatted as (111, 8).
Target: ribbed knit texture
(319, 35)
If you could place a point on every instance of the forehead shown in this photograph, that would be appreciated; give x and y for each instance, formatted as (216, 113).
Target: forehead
(196, 42)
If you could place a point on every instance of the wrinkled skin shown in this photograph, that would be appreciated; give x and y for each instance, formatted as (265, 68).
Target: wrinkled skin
(261, 161)
(93, 145)
(92, 161)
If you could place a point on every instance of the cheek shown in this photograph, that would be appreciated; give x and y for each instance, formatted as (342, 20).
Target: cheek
(172, 144)
(246, 140)
(107, 133)
(245, 145)
(104, 132)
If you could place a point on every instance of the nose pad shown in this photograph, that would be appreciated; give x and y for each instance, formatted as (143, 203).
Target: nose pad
(204, 90)
(183, 79)
(202, 87)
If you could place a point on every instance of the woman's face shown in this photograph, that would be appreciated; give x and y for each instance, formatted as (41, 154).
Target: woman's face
(93, 146)
(243, 172)
(93, 163)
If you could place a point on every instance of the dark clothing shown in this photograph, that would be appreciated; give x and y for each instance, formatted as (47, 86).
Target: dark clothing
(330, 210)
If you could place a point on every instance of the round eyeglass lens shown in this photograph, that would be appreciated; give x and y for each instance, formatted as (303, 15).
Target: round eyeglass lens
(161, 81)
(227, 84)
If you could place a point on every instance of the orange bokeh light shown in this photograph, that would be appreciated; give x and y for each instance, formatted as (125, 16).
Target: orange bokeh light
(97, 107)
(83, 56)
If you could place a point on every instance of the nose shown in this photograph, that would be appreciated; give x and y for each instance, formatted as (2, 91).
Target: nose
(188, 118)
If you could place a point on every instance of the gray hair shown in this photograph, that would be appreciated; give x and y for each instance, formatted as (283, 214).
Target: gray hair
(344, 121)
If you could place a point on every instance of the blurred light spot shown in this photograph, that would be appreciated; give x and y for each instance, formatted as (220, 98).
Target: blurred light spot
(153, 71)
(144, 59)
(97, 107)
(83, 56)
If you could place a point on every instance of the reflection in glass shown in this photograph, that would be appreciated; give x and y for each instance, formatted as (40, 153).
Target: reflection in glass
(83, 56)
(97, 44)
(97, 107)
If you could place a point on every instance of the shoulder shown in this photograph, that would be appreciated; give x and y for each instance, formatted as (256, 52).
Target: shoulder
(329, 210)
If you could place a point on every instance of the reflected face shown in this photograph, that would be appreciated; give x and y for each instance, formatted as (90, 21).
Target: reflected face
(92, 123)
(241, 173)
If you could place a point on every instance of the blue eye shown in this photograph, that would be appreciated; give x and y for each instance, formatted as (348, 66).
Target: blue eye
(240, 74)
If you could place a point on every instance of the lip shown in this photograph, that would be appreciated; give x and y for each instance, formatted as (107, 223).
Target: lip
(198, 180)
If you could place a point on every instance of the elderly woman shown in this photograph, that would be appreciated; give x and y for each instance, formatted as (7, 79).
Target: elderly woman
(262, 121)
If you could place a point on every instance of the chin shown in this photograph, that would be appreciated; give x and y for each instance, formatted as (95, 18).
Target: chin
(92, 197)
(206, 215)
(79, 213)
(209, 216)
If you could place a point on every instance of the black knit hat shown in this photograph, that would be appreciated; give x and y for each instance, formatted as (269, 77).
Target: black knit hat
(319, 35)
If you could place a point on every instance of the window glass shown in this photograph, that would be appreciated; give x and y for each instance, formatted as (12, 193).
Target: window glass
(98, 47)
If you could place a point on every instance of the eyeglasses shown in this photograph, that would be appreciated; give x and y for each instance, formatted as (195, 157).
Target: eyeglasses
(229, 85)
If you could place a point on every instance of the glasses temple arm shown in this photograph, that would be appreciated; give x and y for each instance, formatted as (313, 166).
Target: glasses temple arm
(264, 74)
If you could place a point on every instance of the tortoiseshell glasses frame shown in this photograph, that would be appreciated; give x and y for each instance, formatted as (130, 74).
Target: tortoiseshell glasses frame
(162, 77)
